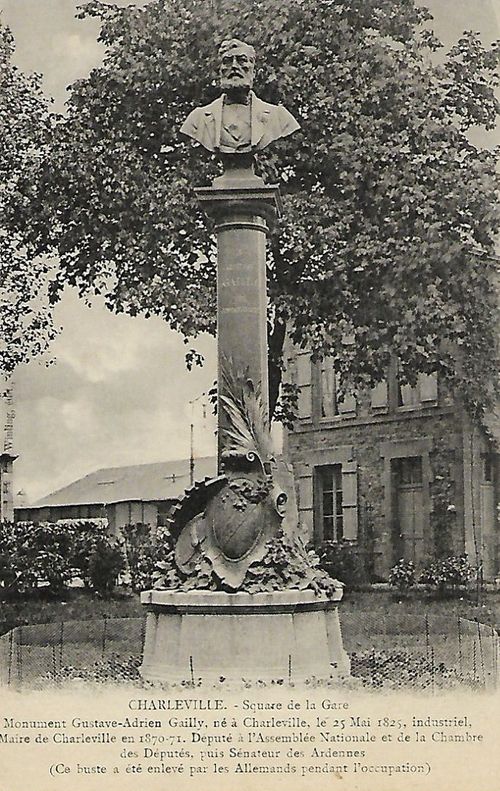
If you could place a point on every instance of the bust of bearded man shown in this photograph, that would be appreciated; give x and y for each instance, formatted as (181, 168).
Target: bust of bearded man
(238, 122)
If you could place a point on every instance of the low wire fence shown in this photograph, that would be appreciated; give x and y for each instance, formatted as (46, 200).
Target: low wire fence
(421, 651)
(402, 652)
(90, 649)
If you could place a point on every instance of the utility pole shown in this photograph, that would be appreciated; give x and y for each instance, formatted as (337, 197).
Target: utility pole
(191, 435)
(6, 456)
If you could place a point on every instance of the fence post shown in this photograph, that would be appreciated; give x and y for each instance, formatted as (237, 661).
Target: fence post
(496, 639)
(459, 628)
(11, 656)
(19, 645)
(61, 644)
(427, 636)
(433, 670)
(493, 658)
(481, 655)
(104, 625)
(289, 668)
(191, 670)
(497, 648)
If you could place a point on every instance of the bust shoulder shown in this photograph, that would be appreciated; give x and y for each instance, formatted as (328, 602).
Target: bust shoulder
(275, 118)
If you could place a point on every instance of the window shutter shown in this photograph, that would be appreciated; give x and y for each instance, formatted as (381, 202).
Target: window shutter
(409, 396)
(380, 395)
(428, 387)
(303, 369)
(303, 381)
(347, 405)
(350, 499)
(328, 388)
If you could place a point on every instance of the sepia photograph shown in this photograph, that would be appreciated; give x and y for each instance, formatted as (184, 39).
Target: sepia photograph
(249, 394)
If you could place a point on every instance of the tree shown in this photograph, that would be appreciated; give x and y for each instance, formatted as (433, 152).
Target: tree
(390, 211)
(25, 314)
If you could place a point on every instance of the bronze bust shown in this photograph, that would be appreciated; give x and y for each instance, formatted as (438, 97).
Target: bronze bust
(238, 122)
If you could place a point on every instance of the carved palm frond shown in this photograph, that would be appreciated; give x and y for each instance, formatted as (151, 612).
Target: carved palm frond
(247, 433)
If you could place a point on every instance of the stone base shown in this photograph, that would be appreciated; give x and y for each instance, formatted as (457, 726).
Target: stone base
(290, 635)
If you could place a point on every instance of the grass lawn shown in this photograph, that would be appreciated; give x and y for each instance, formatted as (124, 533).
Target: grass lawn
(78, 605)
(384, 603)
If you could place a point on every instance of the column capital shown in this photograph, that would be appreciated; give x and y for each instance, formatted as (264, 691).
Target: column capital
(250, 198)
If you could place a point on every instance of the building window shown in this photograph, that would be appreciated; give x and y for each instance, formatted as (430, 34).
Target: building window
(329, 506)
(331, 404)
(328, 388)
(487, 468)
(408, 396)
(424, 393)
(409, 471)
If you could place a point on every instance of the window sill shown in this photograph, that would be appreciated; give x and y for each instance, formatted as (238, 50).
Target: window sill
(335, 419)
(339, 542)
(416, 407)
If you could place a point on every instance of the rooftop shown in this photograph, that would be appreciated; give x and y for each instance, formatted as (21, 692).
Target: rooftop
(164, 480)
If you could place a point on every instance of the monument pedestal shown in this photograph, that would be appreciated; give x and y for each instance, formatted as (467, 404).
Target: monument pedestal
(290, 635)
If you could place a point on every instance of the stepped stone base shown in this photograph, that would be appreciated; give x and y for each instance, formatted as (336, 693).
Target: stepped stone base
(290, 635)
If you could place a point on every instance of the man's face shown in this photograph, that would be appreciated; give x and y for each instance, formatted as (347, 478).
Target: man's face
(236, 69)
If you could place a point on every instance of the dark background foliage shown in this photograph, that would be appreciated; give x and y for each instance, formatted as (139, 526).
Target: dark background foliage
(390, 211)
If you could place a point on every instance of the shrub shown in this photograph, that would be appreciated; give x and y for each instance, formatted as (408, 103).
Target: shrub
(341, 561)
(49, 555)
(87, 534)
(106, 564)
(402, 575)
(141, 553)
(144, 550)
(7, 548)
(33, 555)
(448, 574)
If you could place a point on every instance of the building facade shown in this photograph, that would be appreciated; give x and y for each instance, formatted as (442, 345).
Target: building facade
(398, 472)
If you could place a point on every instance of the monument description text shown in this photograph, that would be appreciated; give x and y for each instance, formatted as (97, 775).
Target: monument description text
(181, 738)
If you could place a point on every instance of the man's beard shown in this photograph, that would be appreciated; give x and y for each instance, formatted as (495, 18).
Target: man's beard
(240, 84)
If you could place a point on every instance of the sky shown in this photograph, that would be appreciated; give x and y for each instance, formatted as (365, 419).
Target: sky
(118, 391)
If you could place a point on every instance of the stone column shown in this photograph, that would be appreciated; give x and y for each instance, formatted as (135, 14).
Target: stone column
(243, 208)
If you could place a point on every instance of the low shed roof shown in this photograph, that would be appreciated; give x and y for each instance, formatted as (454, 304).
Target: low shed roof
(165, 480)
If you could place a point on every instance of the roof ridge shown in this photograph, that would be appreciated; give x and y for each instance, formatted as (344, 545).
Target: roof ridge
(163, 476)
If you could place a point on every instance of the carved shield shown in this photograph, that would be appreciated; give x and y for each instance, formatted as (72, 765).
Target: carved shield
(239, 521)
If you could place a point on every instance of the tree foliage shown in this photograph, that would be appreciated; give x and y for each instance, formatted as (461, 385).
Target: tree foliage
(390, 212)
(25, 315)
